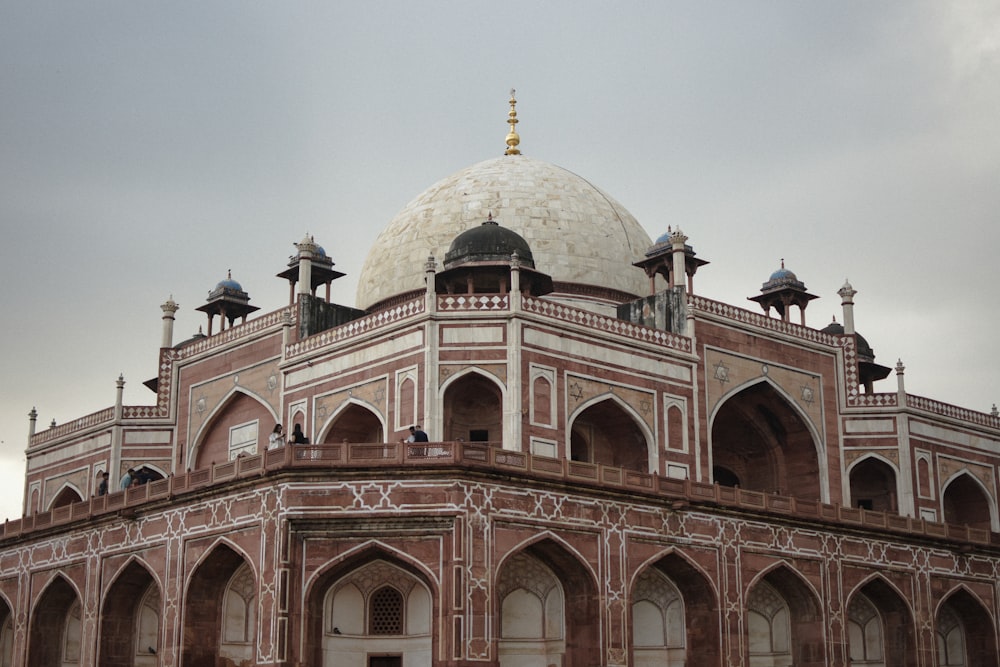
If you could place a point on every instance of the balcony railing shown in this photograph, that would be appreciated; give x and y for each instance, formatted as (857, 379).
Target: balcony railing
(488, 457)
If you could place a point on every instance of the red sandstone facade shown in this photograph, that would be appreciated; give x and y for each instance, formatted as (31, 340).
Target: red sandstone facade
(725, 489)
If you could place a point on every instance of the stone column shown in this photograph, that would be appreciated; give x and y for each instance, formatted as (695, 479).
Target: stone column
(679, 271)
(168, 308)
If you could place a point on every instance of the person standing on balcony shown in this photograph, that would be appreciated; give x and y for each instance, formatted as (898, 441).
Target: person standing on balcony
(102, 488)
(127, 479)
(277, 437)
(298, 437)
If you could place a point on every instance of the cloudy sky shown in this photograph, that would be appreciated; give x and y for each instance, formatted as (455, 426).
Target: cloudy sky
(148, 147)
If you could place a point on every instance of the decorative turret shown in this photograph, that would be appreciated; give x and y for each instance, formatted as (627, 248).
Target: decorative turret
(868, 370)
(310, 267)
(671, 258)
(480, 259)
(229, 302)
(169, 308)
(782, 291)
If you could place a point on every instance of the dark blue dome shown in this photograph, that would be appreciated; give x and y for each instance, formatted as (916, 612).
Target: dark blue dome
(783, 274)
(230, 284)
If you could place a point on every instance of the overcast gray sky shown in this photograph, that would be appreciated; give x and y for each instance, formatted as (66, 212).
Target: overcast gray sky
(148, 147)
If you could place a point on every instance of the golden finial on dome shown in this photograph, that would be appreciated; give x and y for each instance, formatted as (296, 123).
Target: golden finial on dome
(512, 137)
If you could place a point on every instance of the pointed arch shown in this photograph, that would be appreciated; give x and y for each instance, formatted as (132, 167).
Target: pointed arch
(362, 597)
(6, 632)
(204, 606)
(472, 402)
(965, 630)
(130, 617)
(762, 440)
(55, 628)
(67, 494)
(965, 500)
(874, 483)
(523, 572)
(889, 639)
(692, 617)
(211, 442)
(784, 619)
(609, 431)
(354, 420)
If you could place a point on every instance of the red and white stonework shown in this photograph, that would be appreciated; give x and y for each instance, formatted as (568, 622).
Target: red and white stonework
(725, 490)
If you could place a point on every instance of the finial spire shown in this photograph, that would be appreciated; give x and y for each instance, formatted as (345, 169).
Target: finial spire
(512, 137)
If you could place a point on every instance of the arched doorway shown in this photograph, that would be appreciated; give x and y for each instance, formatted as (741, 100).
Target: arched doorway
(473, 410)
(761, 443)
(966, 503)
(55, 636)
(372, 610)
(378, 610)
(220, 610)
(873, 486)
(606, 433)
(130, 620)
(354, 423)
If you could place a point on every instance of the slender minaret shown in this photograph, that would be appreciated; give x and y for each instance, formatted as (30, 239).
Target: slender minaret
(168, 308)
(847, 301)
(900, 384)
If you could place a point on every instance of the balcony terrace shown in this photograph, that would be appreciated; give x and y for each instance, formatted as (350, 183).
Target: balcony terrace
(483, 459)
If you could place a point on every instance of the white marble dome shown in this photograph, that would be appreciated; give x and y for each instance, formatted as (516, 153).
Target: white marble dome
(577, 233)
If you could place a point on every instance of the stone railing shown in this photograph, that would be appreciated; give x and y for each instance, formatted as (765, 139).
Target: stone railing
(237, 332)
(472, 302)
(387, 459)
(357, 327)
(98, 418)
(744, 316)
(604, 323)
(953, 411)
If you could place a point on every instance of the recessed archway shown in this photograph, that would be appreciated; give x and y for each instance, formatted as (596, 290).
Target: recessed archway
(55, 638)
(873, 485)
(473, 409)
(605, 432)
(967, 503)
(546, 605)
(130, 620)
(217, 606)
(760, 440)
(354, 423)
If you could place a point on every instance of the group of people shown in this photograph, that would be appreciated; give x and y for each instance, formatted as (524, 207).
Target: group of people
(277, 437)
(131, 478)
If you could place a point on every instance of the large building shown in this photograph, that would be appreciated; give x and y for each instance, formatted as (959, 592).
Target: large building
(619, 470)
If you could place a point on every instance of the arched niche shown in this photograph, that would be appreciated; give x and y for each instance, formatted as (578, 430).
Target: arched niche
(221, 585)
(762, 442)
(546, 607)
(606, 431)
(473, 409)
(354, 422)
(374, 601)
(966, 502)
(55, 632)
(874, 485)
(130, 619)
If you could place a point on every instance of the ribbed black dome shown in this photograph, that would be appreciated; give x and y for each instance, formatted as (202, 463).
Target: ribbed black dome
(489, 242)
